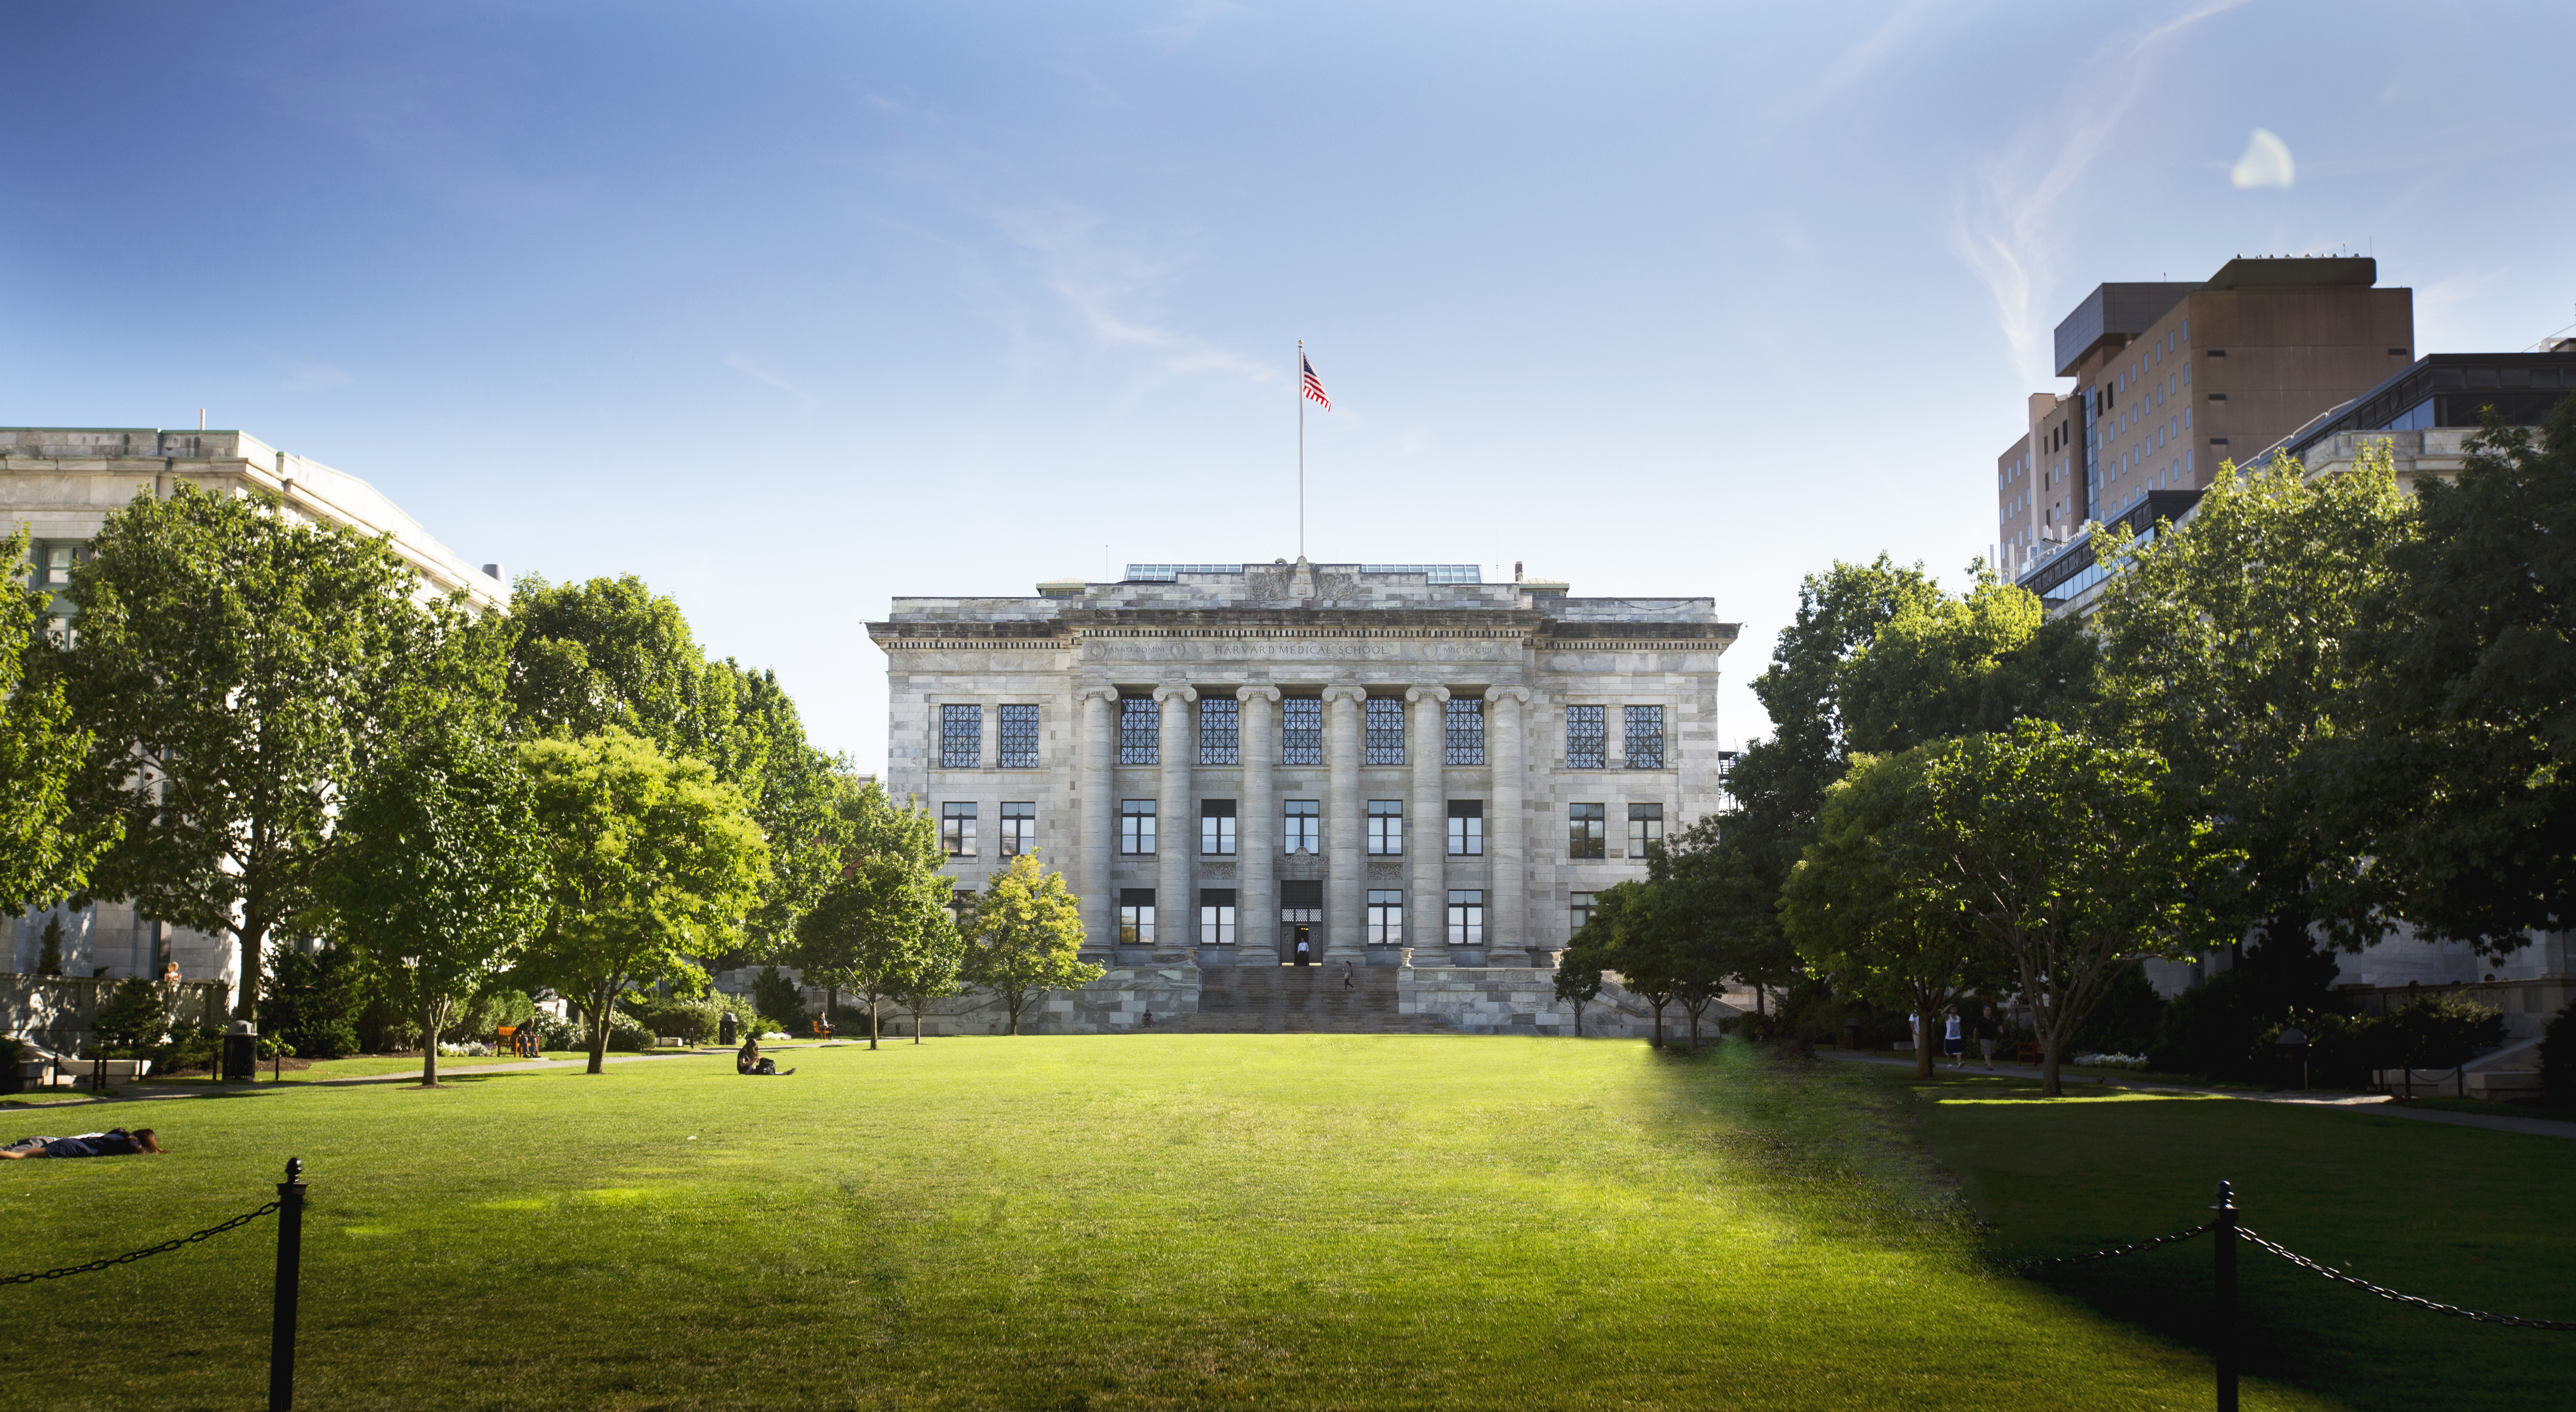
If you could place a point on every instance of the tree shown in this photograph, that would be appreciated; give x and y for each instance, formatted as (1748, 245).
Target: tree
(136, 1015)
(1941, 667)
(46, 852)
(1578, 975)
(2229, 651)
(2068, 853)
(890, 905)
(796, 802)
(1028, 937)
(1625, 935)
(2463, 780)
(440, 876)
(1866, 908)
(232, 666)
(652, 863)
(931, 971)
(49, 953)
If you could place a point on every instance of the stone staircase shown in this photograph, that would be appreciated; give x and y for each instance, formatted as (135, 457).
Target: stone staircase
(1298, 1000)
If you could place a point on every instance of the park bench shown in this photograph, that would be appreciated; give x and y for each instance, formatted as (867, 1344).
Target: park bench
(670, 1041)
(519, 1040)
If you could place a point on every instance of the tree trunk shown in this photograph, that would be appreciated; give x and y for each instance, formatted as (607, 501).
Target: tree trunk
(1693, 1011)
(872, 1022)
(1578, 1019)
(2049, 1086)
(433, 1018)
(599, 1028)
(1015, 999)
(1659, 1023)
(1922, 1038)
(916, 1024)
(250, 941)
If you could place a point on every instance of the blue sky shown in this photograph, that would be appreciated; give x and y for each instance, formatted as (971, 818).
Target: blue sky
(792, 308)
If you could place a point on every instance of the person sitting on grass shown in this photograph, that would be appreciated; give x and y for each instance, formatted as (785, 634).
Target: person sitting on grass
(747, 1060)
(116, 1142)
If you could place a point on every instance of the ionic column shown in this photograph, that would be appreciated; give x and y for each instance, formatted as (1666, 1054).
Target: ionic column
(1345, 868)
(1507, 909)
(1426, 834)
(1177, 830)
(1099, 813)
(1256, 838)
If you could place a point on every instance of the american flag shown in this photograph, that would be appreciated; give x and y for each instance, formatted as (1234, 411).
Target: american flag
(1314, 385)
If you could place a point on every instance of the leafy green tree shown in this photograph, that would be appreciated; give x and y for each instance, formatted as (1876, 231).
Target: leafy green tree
(1027, 938)
(46, 851)
(440, 876)
(1578, 976)
(1626, 936)
(931, 971)
(2229, 651)
(136, 1015)
(796, 802)
(1943, 667)
(2069, 854)
(1866, 906)
(49, 951)
(232, 666)
(869, 930)
(652, 863)
(2463, 782)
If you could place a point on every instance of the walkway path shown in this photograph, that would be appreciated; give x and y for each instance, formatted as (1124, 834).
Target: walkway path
(2378, 1104)
(150, 1092)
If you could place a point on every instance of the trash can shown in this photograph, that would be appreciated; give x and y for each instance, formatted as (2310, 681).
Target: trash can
(241, 1052)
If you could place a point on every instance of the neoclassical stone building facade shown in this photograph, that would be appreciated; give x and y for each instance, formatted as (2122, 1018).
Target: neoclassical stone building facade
(1230, 762)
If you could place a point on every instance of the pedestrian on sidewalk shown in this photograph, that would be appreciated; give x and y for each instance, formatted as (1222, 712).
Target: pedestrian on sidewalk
(1950, 1038)
(1990, 1031)
(1350, 979)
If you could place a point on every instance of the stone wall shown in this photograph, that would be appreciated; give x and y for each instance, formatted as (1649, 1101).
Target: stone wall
(1522, 1000)
(55, 1011)
(1114, 1004)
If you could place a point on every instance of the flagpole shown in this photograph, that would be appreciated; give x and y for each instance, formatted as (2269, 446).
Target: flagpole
(1300, 380)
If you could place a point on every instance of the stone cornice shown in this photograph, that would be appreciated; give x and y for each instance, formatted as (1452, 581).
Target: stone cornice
(1527, 629)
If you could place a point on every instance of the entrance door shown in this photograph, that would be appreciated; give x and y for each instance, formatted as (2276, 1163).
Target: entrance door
(1301, 946)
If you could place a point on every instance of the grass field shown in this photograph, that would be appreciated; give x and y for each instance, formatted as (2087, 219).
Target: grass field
(1205, 1221)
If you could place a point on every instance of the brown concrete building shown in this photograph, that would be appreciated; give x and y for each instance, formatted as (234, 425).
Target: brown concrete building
(2174, 379)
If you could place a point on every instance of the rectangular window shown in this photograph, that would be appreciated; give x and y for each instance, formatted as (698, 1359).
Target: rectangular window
(1385, 918)
(1019, 829)
(1017, 727)
(1386, 826)
(1585, 827)
(957, 829)
(1383, 736)
(1578, 907)
(1216, 916)
(1584, 737)
(961, 737)
(1301, 731)
(1216, 828)
(1140, 730)
(1465, 719)
(1136, 916)
(1301, 899)
(1645, 737)
(1136, 826)
(1304, 827)
(1645, 826)
(1220, 730)
(1466, 917)
(1466, 828)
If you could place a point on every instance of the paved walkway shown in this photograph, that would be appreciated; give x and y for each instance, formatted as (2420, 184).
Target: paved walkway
(2379, 1104)
(150, 1092)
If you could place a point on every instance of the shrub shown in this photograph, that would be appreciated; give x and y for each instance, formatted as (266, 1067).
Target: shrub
(2128, 1016)
(626, 1035)
(311, 996)
(778, 998)
(135, 1017)
(2438, 1031)
(2558, 1060)
(692, 1020)
(196, 1047)
(478, 1019)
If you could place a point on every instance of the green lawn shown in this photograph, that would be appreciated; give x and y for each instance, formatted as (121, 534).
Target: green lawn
(1158, 1221)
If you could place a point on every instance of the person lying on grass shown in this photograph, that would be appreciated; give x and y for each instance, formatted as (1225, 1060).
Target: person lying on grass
(116, 1142)
(747, 1060)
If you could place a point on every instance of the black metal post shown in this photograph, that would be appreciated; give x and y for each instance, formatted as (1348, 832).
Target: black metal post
(290, 1260)
(2224, 1228)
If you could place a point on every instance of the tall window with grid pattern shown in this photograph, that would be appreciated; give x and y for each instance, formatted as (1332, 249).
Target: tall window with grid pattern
(1464, 716)
(1220, 731)
(961, 737)
(1645, 737)
(1140, 730)
(1301, 731)
(1016, 729)
(1584, 737)
(1383, 742)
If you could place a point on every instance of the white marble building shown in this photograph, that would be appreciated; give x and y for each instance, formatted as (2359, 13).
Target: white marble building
(1380, 761)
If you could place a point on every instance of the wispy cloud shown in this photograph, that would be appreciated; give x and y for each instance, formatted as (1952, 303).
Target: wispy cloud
(1113, 289)
(2008, 225)
(744, 365)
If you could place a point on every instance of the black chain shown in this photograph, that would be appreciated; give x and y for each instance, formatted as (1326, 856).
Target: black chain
(2118, 1250)
(2338, 1276)
(131, 1256)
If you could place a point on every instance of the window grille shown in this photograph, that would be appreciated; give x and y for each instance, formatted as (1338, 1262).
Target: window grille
(1586, 825)
(1384, 738)
(957, 829)
(1304, 820)
(1220, 731)
(1584, 737)
(1466, 827)
(1136, 826)
(1465, 717)
(961, 737)
(1019, 828)
(1645, 737)
(1140, 729)
(1385, 926)
(1301, 731)
(1216, 828)
(1386, 826)
(1017, 727)
(1466, 917)
(1216, 916)
(1136, 916)
(1645, 827)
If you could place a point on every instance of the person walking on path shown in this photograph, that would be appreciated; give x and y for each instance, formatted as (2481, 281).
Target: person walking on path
(1350, 980)
(1950, 1038)
(1990, 1030)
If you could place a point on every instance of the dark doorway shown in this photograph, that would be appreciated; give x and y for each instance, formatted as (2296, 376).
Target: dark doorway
(1301, 946)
